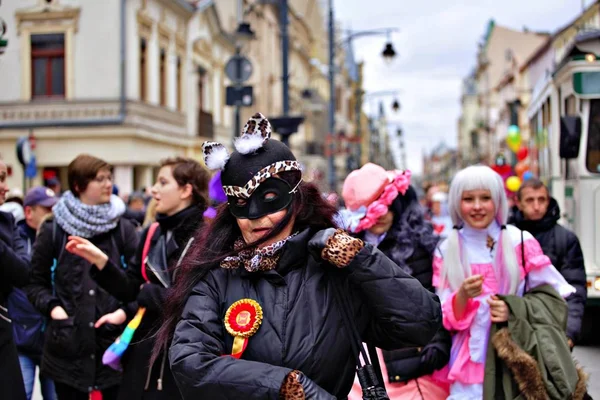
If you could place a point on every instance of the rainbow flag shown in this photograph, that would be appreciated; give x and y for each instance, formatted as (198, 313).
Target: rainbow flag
(112, 355)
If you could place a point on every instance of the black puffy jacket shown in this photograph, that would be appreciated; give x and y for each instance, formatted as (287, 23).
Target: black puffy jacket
(406, 363)
(568, 260)
(14, 272)
(73, 347)
(302, 328)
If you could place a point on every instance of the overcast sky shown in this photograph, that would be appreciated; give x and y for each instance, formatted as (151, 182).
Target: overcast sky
(437, 45)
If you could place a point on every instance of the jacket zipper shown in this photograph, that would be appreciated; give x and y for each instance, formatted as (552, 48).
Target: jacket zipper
(155, 273)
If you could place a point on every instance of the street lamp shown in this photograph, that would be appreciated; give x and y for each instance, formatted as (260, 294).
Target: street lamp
(244, 33)
(3, 42)
(388, 53)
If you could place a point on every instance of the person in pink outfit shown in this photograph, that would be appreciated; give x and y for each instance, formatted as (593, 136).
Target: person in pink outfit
(383, 209)
(482, 258)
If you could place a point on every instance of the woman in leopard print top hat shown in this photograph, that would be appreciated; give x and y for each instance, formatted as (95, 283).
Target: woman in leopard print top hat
(253, 315)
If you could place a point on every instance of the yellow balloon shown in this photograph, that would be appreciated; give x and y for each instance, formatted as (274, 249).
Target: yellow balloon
(514, 147)
(513, 183)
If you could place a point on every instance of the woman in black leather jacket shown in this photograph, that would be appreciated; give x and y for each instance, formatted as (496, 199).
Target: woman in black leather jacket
(387, 214)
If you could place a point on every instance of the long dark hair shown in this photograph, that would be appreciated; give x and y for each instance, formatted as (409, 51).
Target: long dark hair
(215, 242)
(409, 229)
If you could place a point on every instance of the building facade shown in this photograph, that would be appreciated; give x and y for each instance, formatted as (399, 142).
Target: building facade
(146, 86)
(500, 51)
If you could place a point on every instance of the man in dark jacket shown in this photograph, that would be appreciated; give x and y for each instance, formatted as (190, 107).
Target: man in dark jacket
(14, 272)
(539, 213)
(28, 323)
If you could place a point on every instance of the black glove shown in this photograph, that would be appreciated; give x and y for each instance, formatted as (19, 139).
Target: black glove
(318, 242)
(431, 358)
(312, 391)
(152, 297)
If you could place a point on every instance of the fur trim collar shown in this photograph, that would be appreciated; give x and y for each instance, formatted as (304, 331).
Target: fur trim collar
(525, 369)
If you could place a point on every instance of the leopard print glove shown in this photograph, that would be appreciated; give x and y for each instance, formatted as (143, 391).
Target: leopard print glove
(291, 389)
(341, 248)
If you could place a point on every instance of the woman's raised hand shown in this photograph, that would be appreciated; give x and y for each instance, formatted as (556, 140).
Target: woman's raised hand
(87, 250)
(472, 286)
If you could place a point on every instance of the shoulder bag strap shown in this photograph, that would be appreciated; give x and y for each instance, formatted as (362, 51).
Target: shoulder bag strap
(526, 287)
(146, 249)
(369, 373)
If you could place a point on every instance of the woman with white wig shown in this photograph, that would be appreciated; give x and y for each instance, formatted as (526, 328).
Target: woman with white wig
(481, 259)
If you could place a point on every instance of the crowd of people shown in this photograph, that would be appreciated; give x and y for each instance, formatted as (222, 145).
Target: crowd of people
(237, 279)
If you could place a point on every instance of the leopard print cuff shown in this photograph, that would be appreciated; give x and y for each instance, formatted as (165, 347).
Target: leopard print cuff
(291, 389)
(341, 248)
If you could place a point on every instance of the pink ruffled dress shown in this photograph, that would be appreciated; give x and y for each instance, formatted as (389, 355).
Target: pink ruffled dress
(470, 334)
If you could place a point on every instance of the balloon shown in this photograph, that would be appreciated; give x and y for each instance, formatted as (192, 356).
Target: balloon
(527, 175)
(513, 183)
(513, 138)
(513, 129)
(521, 168)
(522, 153)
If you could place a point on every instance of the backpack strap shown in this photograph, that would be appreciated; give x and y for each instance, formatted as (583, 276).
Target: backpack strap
(523, 263)
(58, 244)
(118, 240)
(146, 248)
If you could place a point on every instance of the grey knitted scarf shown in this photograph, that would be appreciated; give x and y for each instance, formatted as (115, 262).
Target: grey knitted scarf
(84, 220)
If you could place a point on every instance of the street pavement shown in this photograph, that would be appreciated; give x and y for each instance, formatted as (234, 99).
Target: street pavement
(588, 357)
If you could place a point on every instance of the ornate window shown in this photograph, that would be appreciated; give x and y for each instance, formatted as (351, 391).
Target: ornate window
(46, 32)
(48, 65)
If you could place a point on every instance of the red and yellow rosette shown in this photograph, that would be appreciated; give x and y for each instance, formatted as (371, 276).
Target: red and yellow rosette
(242, 320)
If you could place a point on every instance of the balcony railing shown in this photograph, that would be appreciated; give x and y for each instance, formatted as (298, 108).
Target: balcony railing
(205, 125)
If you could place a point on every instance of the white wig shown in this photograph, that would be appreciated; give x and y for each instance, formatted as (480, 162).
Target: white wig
(456, 263)
(477, 177)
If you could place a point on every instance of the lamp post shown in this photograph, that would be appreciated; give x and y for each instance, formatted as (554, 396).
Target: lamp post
(285, 124)
(243, 35)
(388, 54)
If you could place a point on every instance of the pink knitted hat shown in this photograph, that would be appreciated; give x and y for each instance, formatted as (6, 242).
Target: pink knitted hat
(373, 188)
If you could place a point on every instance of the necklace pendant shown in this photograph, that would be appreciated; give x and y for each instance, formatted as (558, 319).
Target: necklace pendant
(490, 242)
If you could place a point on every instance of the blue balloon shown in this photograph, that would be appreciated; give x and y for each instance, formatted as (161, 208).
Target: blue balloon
(513, 129)
(527, 175)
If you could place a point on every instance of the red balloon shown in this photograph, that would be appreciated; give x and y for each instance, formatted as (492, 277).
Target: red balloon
(522, 153)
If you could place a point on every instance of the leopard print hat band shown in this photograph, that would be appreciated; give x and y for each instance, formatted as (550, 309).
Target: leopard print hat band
(257, 158)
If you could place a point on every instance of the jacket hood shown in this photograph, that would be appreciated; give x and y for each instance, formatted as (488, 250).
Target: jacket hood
(546, 223)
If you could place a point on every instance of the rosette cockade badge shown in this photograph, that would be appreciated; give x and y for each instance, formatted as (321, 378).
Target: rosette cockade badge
(242, 320)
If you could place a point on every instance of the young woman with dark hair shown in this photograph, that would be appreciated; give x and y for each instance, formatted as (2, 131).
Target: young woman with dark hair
(180, 193)
(253, 314)
(387, 214)
(61, 286)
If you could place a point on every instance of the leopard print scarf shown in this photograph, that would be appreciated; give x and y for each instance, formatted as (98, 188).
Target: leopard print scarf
(263, 259)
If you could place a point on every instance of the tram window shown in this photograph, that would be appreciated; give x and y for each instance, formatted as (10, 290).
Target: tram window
(592, 160)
